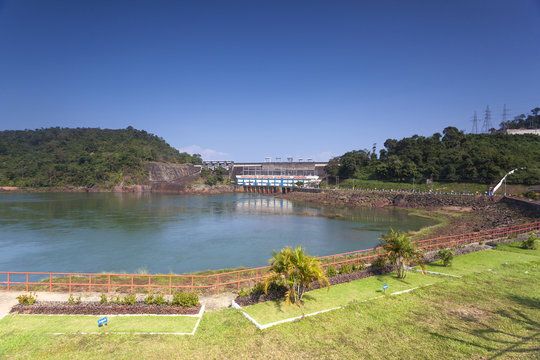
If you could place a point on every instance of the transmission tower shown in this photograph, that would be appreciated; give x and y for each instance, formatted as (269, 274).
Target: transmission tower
(487, 121)
(504, 114)
(475, 124)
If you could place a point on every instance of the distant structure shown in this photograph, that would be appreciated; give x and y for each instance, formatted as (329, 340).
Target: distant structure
(487, 121)
(504, 114)
(475, 124)
(523, 131)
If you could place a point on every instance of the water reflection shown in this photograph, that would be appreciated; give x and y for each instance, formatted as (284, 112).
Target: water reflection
(163, 232)
(269, 205)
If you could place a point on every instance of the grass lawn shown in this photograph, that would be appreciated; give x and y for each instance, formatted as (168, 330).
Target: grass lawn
(88, 324)
(516, 247)
(492, 314)
(483, 261)
(339, 295)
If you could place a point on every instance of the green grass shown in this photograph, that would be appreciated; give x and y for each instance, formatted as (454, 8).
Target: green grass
(339, 295)
(492, 314)
(88, 324)
(516, 247)
(481, 261)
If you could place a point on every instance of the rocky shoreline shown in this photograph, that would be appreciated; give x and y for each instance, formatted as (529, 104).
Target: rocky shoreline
(462, 213)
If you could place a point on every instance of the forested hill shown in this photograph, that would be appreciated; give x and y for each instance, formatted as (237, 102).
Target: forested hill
(453, 156)
(81, 156)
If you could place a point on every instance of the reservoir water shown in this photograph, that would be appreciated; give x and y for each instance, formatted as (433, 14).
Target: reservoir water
(160, 233)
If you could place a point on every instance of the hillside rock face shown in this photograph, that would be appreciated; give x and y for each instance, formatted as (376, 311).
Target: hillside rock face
(160, 172)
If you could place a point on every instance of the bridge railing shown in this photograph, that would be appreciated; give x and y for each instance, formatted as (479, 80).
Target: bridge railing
(219, 282)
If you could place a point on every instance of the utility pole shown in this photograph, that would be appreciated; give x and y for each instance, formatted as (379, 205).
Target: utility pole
(504, 114)
(475, 124)
(487, 121)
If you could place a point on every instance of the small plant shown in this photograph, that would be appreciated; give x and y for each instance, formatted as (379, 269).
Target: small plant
(129, 299)
(115, 300)
(529, 242)
(78, 299)
(331, 271)
(185, 299)
(149, 299)
(345, 269)
(446, 256)
(512, 236)
(103, 299)
(359, 267)
(380, 261)
(159, 299)
(258, 289)
(70, 299)
(29, 299)
(244, 293)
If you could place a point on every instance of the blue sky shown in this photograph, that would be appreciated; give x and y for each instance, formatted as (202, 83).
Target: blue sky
(242, 80)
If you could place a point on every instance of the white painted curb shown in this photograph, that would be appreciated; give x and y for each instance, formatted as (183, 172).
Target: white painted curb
(265, 326)
(435, 273)
(199, 316)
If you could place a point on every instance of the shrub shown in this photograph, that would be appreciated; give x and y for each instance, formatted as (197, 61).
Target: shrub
(345, 269)
(129, 299)
(296, 271)
(380, 261)
(115, 300)
(103, 299)
(402, 252)
(258, 289)
(530, 195)
(159, 299)
(29, 299)
(331, 271)
(529, 242)
(512, 236)
(244, 293)
(446, 255)
(70, 299)
(149, 299)
(358, 267)
(185, 299)
(78, 299)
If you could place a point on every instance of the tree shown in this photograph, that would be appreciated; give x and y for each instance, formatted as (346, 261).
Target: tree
(295, 270)
(401, 252)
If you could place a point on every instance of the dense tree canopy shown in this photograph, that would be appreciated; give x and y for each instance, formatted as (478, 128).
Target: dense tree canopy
(530, 121)
(81, 157)
(453, 156)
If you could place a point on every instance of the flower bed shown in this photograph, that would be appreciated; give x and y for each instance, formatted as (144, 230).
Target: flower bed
(96, 308)
(255, 297)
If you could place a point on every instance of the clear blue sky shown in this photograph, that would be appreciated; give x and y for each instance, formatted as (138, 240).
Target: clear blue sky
(243, 80)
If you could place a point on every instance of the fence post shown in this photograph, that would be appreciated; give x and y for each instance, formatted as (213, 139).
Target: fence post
(238, 280)
(50, 282)
(26, 281)
(8, 281)
(192, 283)
(256, 276)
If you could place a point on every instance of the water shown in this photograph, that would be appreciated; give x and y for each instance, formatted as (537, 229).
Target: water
(160, 233)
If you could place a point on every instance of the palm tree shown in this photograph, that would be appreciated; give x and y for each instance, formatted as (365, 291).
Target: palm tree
(401, 251)
(295, 270)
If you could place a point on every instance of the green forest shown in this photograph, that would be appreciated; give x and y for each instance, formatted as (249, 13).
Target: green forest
(55, 157)
(452, 156)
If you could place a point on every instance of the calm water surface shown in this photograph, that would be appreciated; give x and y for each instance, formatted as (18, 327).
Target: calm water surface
(161, 233)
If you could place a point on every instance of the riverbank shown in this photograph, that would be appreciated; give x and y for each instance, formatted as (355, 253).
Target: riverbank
(456, 214)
